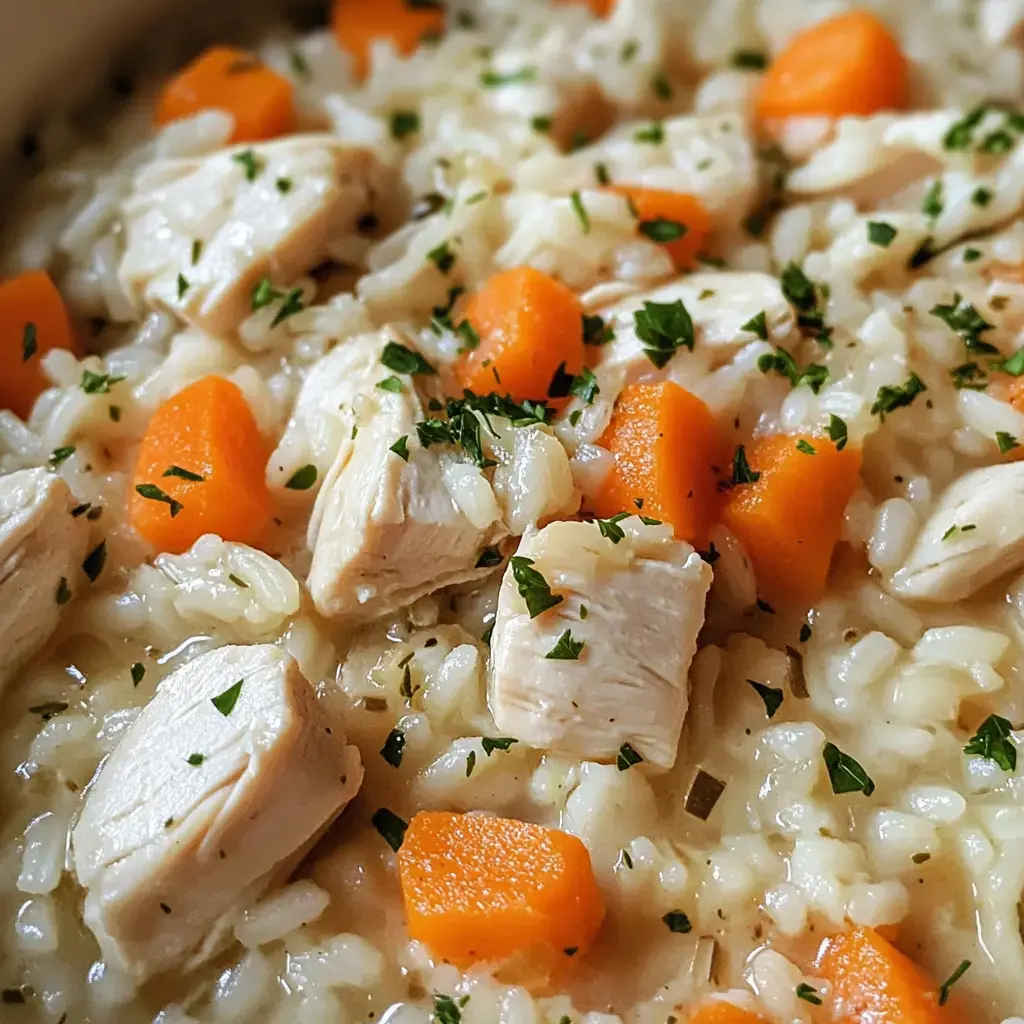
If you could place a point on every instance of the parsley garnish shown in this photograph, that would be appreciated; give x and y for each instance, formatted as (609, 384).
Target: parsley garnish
(1007, 442)
(95, 561)
(404, 360)
(303, 478)
(771, 695)
(532, 586)
(541, 123)
(1014, 366)
(806, 447)
(581, 212)
(489, 557)
(29, 342)
(981, 196)
(446, 1010)
(390, 826)
(496, 79)
(183, 474)
(584, 385)
(808, 993)
(442, 257)
(749, 60)
(250, 163)
(602, 175)
(891, 397)
(63, 594)
(781, 362)
(566, 649)
(741, 471)
(404, 123)
(626, 757)
(182, 286)
(138, 671)
(263, 294)
(677, 922)
(401, 448)
(292, 304)
(197, 251)
(931, 205)
(944, 989)
(880, 233)
(654, 133)
(837, 431)
(392, 384)
(195, 759)
(238, 581)
(845, 774)
(964, 320)
(596, 331)
(225, 702)
(992, 741)
(98, 383)
(663, 327)
(960, 134)
(610, 528)
(757, 325)
(153, 493)
(492, 743)
(661, 230)
(60, 455)
(393, 748)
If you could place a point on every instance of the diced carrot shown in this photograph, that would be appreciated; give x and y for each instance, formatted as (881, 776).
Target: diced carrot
(849, 64)
(483, 888)
(1015, 393)
(33, 320)
(601, 8)
(666, 446)
(358, 24)
(205, 430)
(529, 325)
(261, 101)
(718, 1011)
(790, 518)
(872, 982)
(677, 219)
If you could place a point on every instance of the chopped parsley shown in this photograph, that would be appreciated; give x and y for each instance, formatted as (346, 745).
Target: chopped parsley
(238, 581)
(263, 294)
(197, 251)
(897, 396)
(1007, 442)
(183, 474)
(98, 383)
(955, 529)
(404, 123)
(993, 741)
(566, 649)
(442, 257)
(60, 455)
(663, 327)
(138, 671)
(965, 321)
(584, 385)
(489, 557)
(837, 431)
(947, 985)
(749, 60)
(771, 695)
(981, 196)
(195, 759)
(806, 298)
(95, 561)
(292, 304)
(392, 384)
(596, 331)
(63, 594)
(676, 921)
(806, 447)
(225, 702)
(661, 86)
(404, 360)
(880, 233)
(49, 709)
(757, 325)
(401, 448)
(446, 1010)
(661, 230)
(931, 205)
(845, 774)
(626, 757)
(610, 529)
(393, 748)
(1014, 366)
(492, 743)
(153, 493)
(470, 763)
(497, 79)
(532, 586)
(283, 185)
(808, 993)
(972, 255)
(580, 210)
(250, 163)
(390, 826)
(303, 478)
(541, 123)
(654, 134)
(602, 175)
(961, 133)
(183, 286)
(741, 471)
(29, 341)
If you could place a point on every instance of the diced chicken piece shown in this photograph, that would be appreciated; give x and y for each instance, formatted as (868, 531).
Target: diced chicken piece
(217, 791)
(644, 599)
(201, 233)
(386, 530)
(974, 536)
(41, 550)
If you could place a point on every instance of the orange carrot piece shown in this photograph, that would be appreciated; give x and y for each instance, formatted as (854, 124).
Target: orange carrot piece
(849, 64)
(261, 101)
(790, 518)
(1015, 393)
(529, 325)
(358, 24)
(872, 981)
(601, 8)
(666, 446)
(482, 888)
(208, 430)
(33, 320)
(677, 217)
(718, 1011)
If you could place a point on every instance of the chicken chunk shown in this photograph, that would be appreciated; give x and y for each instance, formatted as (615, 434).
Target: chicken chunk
(41, 551)
(644, 598)
(974, 535)
(201, 233)
(387, 529)
(225, 780)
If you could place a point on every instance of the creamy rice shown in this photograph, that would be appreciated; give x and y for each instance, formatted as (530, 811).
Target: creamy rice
(897, 676)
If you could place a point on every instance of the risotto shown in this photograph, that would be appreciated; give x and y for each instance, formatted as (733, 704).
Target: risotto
(507, 516)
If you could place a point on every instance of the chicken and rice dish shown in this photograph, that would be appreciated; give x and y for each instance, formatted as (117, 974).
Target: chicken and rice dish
(513, 513)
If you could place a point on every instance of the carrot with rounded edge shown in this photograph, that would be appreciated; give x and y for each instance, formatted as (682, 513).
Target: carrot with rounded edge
(201, 469)
(358, 24)
(261, 101)
(33, 320)
(530, 326)
(677, 220)
(849, 64)
(788, 511)
(872, 982)
(720, 1011)
(478, 888)
(666, 445)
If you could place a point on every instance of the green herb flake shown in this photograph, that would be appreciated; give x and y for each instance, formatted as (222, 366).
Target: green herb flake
(654, 134)
(195, 759)
(837, 431)
(394, 747)
(541, 123)
(238, 581)
(489, 558)
(183, 286)
(845, 774)
(981, 196)
(283, 185)
(404, 360)
(880, 233)
(806, 447)
(584, 386)
(401, 448)
(197, 251)
(741, 471)
(29, 341)
(967, 323)
(782, 362)
(771, 695)
(891, 397)
(493, 743)
(757, 325)
(98, 383)
(1007, 442)
(63, 594)
(972, 255)
(749, 60)
(931, 205)
(566, 649)
(947, 985)
(404, 123)
(626, 757)
(153, 493)
(662, 230)
(993, 741)
(390, 826)
(961, 133)
(662, 87)
(263, 294)
(497, 79)
(138, 671)
(183, 474)
(49, 709)
(808, 994)
(601, 174)
(302, 479)
(225, 702)
(677, 922)
(95, 561)
(470, 763)
(442, 257)
(292, 304)
(596, 331)
(610, 529)
(580, 210)
(252, 164)
(532, 586)
(392, 384)
(663, 328)
(60, 455)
